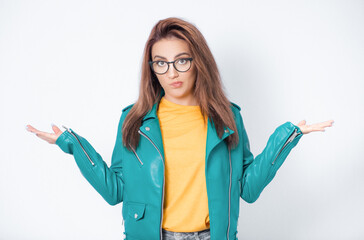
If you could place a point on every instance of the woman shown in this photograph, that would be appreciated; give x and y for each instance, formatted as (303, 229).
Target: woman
(182, 157)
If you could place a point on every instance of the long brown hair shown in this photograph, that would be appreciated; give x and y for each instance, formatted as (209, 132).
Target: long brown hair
(208, 89)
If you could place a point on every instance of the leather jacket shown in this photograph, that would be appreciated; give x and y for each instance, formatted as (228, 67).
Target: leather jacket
(136, 177)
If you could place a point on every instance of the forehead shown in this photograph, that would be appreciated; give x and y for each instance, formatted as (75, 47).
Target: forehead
(169, 47)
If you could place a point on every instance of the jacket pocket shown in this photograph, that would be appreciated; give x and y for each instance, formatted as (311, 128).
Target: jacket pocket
(136, 210)
(136, 225)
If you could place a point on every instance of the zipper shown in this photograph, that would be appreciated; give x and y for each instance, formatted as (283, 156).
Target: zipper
(229, 196)
(72, 133)
(290, 139)
(239, 202)
(124, 235)
(137, 156)
(140, 132)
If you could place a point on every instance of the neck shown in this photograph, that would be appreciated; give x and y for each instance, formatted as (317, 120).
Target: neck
(191, 101)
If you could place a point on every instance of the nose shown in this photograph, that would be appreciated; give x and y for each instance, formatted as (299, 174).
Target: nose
(172, 72)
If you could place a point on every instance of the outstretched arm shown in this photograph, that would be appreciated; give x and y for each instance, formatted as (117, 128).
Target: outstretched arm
(108, 182)
(258, 172)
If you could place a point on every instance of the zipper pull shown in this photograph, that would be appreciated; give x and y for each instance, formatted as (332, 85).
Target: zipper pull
(293, 135)
(68, 130)
(290, 139)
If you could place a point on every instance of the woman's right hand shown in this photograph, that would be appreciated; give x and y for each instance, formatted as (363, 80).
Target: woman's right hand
(51, 138)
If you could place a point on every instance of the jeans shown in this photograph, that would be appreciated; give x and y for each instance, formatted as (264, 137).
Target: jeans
(199, 235)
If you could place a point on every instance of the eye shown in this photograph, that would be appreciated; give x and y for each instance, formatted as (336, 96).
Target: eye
(160, 63)
(182, 61)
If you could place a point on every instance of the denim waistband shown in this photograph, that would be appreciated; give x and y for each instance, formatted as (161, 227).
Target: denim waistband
(202, 231)
(201, 235)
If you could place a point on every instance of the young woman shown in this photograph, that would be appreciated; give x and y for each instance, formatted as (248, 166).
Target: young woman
(182, 157)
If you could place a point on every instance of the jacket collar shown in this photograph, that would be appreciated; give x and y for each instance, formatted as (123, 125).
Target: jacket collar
(151, 127)
(153, 112)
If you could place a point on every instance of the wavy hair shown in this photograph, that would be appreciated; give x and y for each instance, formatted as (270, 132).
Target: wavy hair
(208, 89)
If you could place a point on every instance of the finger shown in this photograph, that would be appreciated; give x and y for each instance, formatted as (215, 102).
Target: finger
(45, 136)
(302, 123)
(319, 128)
(30, 128)
(56, 130)
(326, 124)
(39, 133)
(314, 127)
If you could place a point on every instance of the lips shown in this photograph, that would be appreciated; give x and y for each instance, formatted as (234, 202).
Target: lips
(176, 84)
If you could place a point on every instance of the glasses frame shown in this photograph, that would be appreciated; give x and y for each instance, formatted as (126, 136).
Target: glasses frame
(151, 65)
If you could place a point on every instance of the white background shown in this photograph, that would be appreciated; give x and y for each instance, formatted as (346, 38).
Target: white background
(77, 63)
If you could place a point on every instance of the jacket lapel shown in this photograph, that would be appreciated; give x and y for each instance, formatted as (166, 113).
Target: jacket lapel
(151, 128)
(212, 137)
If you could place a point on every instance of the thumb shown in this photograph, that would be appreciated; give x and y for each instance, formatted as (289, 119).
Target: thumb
(56, 130)
(302, 123)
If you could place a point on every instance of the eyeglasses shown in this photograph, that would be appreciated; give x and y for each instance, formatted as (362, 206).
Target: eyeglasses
(161, 67)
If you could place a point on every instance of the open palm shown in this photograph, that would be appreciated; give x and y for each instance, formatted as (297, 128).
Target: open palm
(51, 138)
(314, 127)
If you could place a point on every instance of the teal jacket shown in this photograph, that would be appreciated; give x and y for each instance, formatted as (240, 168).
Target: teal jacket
(136, 177)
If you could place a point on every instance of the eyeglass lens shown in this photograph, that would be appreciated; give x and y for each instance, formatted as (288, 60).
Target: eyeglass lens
(180, 65)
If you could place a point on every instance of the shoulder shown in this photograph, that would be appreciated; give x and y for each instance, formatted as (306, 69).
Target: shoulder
(235, 106)
(237, 114)
(124, 112)
(128, 107)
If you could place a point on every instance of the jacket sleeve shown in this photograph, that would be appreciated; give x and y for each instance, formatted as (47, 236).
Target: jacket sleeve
(258, 172)
(108, 182)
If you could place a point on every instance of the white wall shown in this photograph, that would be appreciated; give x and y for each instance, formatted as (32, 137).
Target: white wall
(77, 63)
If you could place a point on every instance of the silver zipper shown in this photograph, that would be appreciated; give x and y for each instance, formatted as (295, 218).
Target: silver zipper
(137, 156)
(124, 235)
(140, 132)
(290, 139)
(93, 164)
(229, 196)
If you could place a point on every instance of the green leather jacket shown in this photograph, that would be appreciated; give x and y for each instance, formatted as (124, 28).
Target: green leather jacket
(136, 178)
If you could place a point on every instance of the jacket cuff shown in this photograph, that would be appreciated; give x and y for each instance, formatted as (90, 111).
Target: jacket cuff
(64, 141)
(286, 131)
(297, 127)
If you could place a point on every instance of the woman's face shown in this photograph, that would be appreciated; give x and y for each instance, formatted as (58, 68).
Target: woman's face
(169, 50)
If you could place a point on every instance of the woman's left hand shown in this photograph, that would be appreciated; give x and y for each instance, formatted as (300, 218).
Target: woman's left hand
(314, 127)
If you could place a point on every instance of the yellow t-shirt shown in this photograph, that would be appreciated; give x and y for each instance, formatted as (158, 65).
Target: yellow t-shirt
(184, 141)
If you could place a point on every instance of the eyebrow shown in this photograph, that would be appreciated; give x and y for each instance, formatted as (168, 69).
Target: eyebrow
(174, 57)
